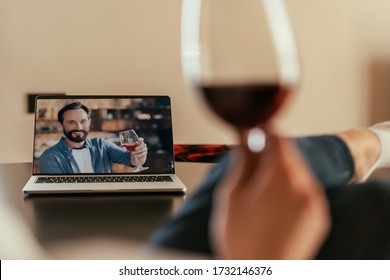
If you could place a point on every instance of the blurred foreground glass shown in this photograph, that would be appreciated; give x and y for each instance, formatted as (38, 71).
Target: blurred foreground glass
(240, 56)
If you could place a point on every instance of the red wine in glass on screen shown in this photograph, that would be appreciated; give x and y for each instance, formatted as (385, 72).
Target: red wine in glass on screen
(129, 140)
(130, 147)
(240, 56)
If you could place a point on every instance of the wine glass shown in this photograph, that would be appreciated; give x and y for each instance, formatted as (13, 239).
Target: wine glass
(129, 140)
(241, 57)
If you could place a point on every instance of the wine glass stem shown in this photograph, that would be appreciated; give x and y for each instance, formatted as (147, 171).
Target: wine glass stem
(138, 163)
(253, 142)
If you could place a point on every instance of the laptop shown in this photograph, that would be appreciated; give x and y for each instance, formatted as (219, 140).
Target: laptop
(82, 152)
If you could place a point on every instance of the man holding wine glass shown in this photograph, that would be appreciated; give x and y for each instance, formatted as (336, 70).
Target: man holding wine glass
(257, 213)
(77, 153)
(276, 198)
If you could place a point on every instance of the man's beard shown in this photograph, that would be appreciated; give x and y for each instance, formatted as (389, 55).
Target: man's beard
(78, 138)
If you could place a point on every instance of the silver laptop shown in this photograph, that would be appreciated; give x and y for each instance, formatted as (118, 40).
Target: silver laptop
(77, 147)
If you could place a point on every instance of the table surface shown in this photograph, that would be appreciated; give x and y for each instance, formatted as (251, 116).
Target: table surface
(88, 226)
(84, 226)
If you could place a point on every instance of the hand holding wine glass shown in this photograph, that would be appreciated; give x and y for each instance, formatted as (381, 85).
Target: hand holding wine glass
(136, 146)
(240, 56)
(280, 212)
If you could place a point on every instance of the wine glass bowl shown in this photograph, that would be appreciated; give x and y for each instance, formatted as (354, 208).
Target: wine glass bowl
(130, 140)
(245, 106)
(241, 57)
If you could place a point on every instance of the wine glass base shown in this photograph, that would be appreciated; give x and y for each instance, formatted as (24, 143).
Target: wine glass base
(140, 169)
(256, 140)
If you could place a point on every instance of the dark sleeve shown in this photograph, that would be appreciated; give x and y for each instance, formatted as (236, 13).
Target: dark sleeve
(188, 230)
(328, 156)
(360, 222)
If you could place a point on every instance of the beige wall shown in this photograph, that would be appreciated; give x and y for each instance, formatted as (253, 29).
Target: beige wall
(132, 46)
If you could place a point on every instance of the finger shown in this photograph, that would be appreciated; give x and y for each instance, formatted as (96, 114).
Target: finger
(140, 147)
(141, 153)
(139, 150)
(254, 169)
(286, 171)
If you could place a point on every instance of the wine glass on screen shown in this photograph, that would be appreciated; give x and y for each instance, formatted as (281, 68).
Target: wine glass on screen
(129, 140)
(241, 57)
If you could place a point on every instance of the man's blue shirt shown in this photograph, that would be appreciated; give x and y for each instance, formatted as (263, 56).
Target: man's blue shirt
(58, 159)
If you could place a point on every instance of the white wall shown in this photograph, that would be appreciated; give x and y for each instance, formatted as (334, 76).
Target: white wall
(130, 46)
(345, 53)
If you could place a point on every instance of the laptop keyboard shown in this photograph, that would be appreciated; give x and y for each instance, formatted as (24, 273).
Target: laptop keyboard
(102, 179)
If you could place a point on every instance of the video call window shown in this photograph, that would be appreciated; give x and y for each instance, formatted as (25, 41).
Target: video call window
(150, 117)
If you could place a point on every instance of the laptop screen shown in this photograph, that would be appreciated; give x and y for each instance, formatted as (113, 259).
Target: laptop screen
(80, 134)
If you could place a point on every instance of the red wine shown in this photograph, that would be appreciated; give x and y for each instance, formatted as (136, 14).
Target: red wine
(245, 106)
(130, 147)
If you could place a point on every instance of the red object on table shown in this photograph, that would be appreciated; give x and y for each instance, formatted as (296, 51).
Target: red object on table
(201, 152)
